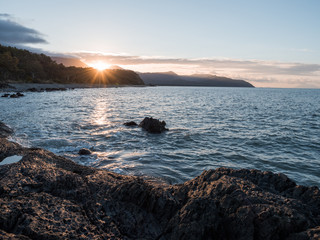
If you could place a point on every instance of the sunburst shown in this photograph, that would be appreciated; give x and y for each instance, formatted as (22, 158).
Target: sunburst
(100, 66)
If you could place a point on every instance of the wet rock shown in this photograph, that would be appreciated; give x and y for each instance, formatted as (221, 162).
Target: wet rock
(33, 90)
(55, 89)
(44, 196)
(5, 95)
(52, 89)
(5, 131)
(14, 96)
(130, 124)
(153, 125)
(84, 151)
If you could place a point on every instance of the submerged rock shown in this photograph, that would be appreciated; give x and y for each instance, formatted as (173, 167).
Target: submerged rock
(44, 196)
(84, 151)
(130, 124)
(153, 125)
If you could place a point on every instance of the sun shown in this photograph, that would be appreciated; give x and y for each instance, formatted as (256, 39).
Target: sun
(100, 66)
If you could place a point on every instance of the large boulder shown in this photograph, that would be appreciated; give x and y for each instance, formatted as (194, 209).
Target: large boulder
(153, 125)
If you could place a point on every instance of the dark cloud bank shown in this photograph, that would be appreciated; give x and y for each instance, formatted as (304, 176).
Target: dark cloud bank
(14, 33)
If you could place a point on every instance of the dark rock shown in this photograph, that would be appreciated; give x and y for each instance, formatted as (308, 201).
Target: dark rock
(5, 131)
(14, 96)
(55, 89)
(153, 125)
(84, 151)
(131, 123)
(33, 90)
(46, 89)
(5, 95)
(44, 196)
(17, 95)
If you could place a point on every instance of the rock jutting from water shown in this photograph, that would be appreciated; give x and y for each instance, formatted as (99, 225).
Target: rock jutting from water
(130, 124)
(15, 95)
(45, 196)
(153, 125)
(84, 151)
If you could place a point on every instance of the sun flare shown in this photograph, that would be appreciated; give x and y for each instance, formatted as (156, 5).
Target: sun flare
(100, 66)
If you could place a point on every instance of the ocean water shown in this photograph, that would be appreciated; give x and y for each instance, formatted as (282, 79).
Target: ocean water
(268, 129)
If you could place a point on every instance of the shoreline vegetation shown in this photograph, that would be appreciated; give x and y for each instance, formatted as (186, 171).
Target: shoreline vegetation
(45, 196)
(18, 66)
(22, 66)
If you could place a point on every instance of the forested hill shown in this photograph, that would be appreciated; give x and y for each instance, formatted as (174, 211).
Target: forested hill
(24, 66)
(173, 79)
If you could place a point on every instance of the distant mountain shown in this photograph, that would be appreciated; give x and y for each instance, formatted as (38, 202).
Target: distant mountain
(18, 65)
(173, 79)
(69, 62)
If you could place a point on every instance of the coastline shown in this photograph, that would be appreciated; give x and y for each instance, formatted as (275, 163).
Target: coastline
(47, 196)
(23, 87)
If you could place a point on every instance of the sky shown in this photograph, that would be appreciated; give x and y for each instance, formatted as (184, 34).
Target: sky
(268, 43)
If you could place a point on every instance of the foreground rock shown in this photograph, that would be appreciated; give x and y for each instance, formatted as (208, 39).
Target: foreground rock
(44, 196)
(153, 125)
(5, 131)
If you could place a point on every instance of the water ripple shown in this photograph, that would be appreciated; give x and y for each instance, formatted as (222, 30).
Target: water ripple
(269, 129)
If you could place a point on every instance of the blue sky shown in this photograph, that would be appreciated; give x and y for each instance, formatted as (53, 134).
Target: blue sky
(179, 35)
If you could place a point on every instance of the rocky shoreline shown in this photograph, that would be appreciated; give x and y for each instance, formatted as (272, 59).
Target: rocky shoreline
(45, 196)
(38, 87)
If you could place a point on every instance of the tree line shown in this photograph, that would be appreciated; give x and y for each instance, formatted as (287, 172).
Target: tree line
(21, 65)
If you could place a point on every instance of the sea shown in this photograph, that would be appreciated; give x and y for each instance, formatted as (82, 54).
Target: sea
(268, 129)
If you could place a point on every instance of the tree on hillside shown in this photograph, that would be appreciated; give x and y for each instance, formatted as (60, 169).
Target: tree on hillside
(8, 64)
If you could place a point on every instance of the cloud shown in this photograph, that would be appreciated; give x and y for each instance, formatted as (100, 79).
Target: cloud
(259, 73)
(14, 33)
(4, 15)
